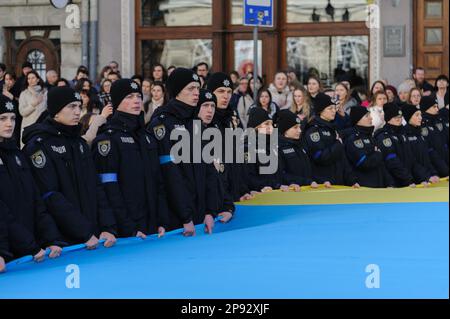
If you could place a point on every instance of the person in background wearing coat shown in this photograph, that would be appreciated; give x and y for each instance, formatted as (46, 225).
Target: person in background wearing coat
(279, 89)
(379, 99)
(241, 101)
(32, 100)
(301, 105)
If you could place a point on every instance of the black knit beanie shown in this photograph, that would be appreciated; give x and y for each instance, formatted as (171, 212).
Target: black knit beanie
(179, 79)
(218, 80)
(120, 89)
(357, 113)
(60, 97)
(286, 120)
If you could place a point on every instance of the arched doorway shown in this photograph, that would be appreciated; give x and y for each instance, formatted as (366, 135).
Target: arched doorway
(40, 52)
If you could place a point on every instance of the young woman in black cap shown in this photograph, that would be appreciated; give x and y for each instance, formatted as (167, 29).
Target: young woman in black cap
(259, 154)
(64, 171)
(294, 163)
(363, 153)
(419, 146)
(31, 228)
(397, 153)
(432, 131)
(325, 146)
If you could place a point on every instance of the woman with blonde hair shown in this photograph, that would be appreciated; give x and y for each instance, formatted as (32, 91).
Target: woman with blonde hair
(344, 102)
(301, 104)
(377, 103)
(415, 95)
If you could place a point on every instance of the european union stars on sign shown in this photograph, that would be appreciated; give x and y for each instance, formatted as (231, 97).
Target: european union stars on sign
(258, 13)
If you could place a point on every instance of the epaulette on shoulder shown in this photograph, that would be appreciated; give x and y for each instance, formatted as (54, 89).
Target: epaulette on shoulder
(38, 139)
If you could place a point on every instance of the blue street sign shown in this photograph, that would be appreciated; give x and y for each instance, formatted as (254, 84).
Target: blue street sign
(258, 13)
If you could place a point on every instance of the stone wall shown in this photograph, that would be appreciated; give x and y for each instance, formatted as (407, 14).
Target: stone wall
(15, 13)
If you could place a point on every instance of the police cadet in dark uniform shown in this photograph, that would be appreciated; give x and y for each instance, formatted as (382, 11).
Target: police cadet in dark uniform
(443, 118)
(126, 157)
(5, 254)
(206, 108)
(325, 146)
(363, 153)
(432, 129)
(397, 153)
(191, 191)
(65, 173)
(225, 119)
(419, 146)
(30, 226)
(293, 160)
(260, 156)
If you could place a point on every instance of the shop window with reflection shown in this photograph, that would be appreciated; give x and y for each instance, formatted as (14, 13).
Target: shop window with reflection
(176, 12)
(181, 53)
(244, 56)
(331, 58)
(302, 11)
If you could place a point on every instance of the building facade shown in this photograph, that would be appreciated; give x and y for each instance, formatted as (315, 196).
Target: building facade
(326, 37)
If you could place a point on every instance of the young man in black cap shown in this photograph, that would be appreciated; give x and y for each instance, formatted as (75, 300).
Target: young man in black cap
(363, 153)
(185, 188)
(432, 129)
(258, 180)
(64, 171)
(126, 157)
(225, 119)
(413, 132)
(397, 154)
(206, 108)
(294, 163)
(31, 228)
(325, 146)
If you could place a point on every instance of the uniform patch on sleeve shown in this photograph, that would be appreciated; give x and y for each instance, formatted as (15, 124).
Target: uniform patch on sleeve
(315, 137)
(160, 131)
(387, 142)
(424, 131)
(359, 143)
(38, 159)
(104, 147)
